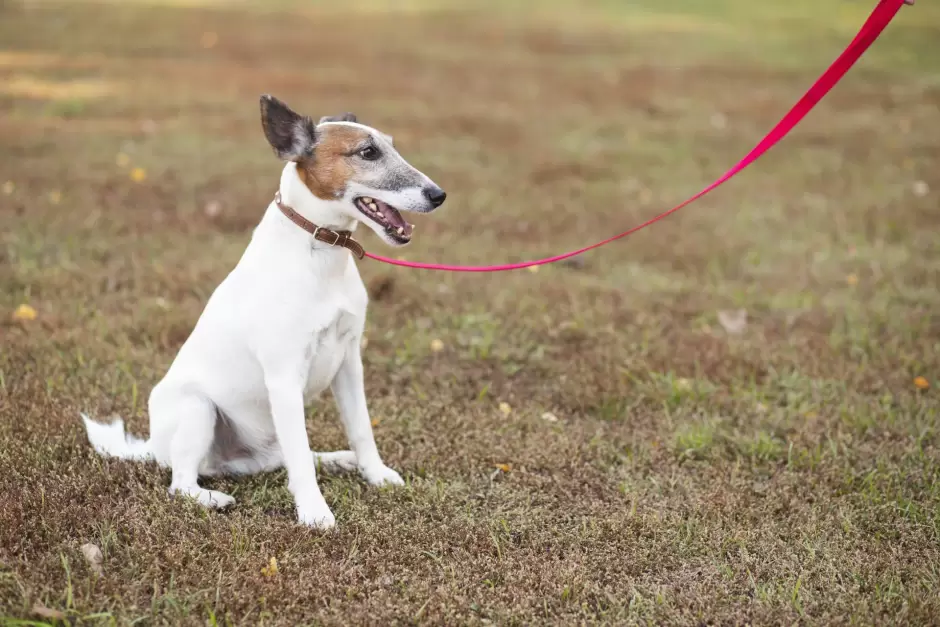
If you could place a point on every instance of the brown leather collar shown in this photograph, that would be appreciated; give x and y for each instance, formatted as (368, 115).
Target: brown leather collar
(333, 238)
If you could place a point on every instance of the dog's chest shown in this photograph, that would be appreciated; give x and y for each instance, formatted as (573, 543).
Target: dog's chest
(326, 349)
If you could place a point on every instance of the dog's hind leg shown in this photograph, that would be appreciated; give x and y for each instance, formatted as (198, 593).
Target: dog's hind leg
(336, 461)
(193, 417)
(330, 462)
(235, 453)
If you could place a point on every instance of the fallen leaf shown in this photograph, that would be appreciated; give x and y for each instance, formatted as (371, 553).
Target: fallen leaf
(683, 385)
(852, 279)
(363, 342)
(93, 554)
(920, 188)
(138, 175)
(503, 467)
(122, 160)
(550, 417)
(533, 269)
(505, 408)
(375, 422)
(55, 197)
(734, 322)
(437, 345)
(271, 569)
(8, 187)
(24, 313)
(208, 39)
(921, 383)
(42, 611)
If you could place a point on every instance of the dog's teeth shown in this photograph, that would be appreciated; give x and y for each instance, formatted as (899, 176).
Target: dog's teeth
(366, 200)
(401, 230)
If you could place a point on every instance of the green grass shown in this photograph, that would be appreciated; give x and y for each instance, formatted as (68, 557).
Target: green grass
(786, 474)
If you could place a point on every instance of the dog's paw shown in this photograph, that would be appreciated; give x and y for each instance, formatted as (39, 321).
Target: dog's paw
(210, 499)
(320, 518)
(381, 475)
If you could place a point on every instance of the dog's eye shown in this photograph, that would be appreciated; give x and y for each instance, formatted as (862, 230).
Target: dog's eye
(370, 153)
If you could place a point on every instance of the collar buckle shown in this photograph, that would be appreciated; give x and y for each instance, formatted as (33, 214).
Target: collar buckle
(319, 233)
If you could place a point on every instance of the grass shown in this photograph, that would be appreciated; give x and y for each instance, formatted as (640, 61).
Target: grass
(660, 470)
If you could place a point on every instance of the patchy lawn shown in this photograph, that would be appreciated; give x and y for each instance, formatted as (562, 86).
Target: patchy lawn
(603, 441)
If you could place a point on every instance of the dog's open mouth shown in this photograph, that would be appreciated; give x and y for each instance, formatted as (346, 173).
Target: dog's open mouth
(387, 217)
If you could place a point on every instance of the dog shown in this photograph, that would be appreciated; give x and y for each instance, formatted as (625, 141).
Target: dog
(285, 324)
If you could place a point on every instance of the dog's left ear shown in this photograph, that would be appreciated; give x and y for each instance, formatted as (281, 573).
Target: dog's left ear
(293, 136)
(346, 117)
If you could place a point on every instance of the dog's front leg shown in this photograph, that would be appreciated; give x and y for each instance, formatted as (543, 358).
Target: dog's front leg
(350, 394)
(285, 392)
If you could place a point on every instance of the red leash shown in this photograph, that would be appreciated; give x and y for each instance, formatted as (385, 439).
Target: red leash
(876, 23)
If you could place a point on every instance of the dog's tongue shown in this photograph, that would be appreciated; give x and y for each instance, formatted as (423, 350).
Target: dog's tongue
(391, 215)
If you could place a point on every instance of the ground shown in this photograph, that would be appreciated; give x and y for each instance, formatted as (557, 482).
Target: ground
(603, 441)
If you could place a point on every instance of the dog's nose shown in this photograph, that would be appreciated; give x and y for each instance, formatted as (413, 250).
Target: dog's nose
(436, 195)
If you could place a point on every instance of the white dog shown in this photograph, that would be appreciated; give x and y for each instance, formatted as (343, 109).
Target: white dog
(286, 323)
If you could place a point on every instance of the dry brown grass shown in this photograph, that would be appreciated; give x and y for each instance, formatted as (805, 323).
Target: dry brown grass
(785, 475)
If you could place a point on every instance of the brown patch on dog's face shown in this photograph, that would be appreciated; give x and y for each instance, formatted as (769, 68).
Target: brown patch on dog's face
(328, 171)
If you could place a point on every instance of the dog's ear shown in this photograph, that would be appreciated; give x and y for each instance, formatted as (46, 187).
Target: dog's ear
(292, 135)
(346, 117)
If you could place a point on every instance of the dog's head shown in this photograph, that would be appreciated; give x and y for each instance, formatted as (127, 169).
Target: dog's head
(354, 166)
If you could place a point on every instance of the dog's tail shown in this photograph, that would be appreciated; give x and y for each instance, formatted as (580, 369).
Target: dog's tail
(111, 441)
